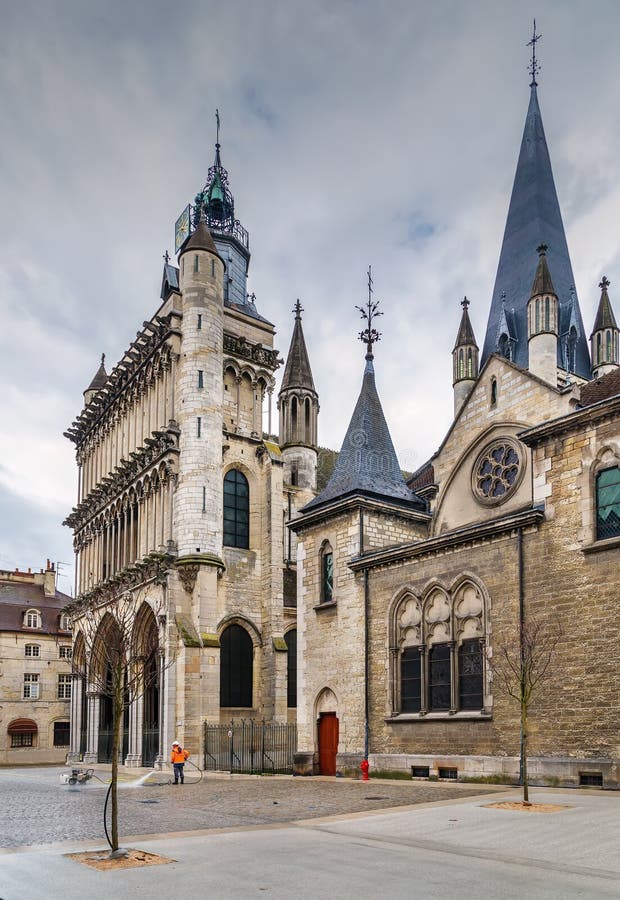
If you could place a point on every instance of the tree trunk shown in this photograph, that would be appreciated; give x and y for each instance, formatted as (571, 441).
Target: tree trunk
(524, 750)
(117, 718)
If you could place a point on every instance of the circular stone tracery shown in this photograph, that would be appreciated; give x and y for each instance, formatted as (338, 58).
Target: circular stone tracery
(497, 472)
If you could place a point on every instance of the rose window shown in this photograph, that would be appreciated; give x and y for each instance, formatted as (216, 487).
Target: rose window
(497, 472)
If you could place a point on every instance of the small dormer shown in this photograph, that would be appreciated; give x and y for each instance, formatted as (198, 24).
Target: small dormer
(32, 618)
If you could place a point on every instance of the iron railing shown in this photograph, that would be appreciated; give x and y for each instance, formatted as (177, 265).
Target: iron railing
(250, 747)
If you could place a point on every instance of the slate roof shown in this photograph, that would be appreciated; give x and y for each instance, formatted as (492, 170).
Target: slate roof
(17, 597)
(367, 462)
(465, 337)
(169, 280)
(248, 309)
(534, 218)
(100, 378)
(602, 389)
(297, 373)
(605, 315)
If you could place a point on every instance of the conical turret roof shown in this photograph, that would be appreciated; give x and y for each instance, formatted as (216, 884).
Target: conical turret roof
(367, 462)
(542, 279)
(100, 378)
(465, 337)
(297, 372)
(200, 239)
(534, 217)
(604, 315)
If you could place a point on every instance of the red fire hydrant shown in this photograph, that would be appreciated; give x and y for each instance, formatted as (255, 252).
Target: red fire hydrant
(364, 766)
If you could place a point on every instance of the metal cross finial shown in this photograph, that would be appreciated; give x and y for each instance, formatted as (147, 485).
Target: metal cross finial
(298, 309)
(534, 67)
(604, 284)
(464, 302)
(166, 257)
(369, 335)
(217, 123)
(102, 358)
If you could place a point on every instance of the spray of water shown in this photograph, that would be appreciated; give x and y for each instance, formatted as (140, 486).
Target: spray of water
(141, 780)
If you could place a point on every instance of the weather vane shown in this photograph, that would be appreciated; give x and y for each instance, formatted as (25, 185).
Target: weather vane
(534, 67)
(217, 118)
(298, 309)
(369, 335)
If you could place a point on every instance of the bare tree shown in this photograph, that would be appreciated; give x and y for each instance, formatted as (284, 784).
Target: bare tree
(521, 664)
(118, 654)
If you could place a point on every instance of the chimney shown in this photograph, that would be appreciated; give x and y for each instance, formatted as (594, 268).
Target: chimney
(49, 580)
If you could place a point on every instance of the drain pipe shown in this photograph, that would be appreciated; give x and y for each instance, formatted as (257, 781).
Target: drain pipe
(365, 765)
(521, 649)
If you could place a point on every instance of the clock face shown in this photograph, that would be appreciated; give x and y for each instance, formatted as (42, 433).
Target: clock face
(181, 229)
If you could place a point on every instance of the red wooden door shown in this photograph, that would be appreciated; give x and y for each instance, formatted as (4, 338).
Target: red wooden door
(328, 743)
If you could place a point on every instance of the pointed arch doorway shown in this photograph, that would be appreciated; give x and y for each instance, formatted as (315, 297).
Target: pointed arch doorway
(327, 731)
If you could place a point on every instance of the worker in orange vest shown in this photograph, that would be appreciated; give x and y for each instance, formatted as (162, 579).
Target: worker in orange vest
(178, 757)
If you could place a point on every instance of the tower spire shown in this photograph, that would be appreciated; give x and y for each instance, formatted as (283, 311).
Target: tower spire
(533, 217)
(218, 161)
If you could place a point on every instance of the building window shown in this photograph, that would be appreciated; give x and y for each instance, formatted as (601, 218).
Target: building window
(65, 651)
(22, 740)
(608, 503)
(31, 686)
(236, 667)
(64, 687)
(198, 426)
(291, 668)
(497, 472)
(199, 324)
(61, 734)
(65, 622)
(196, 263)
(213, 268)
(470, 675)
(236, 510)
(439, 678)
(327, 573)
(200, 378)
(32, 650)
(32, 619)
(493, 391)
(438, 651)
(411, 679)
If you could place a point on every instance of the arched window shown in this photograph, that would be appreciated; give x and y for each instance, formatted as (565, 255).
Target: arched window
(236, 667)
(598, 348)
(291, 668)
(293, 434)
(608, 504)
(32, 619)
(461, 368)
(65, 622)
(470, 363)
(308, 437)
(327, 573)
(493, 391)
(236, 510)
(608, 347)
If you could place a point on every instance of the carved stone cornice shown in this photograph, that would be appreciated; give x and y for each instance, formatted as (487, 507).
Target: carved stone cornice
(151, 346)
(189, 566)
(163, 446)
(241, 347)
(155, 567)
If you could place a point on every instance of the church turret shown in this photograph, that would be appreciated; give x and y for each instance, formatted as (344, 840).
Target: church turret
(605, 336)
(464, 359)
(542, 323)
(200, 383)
(298, 407)
(98, 382)
(533, 217)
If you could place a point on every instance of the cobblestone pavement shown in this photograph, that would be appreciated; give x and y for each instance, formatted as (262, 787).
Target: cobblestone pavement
(37, 809)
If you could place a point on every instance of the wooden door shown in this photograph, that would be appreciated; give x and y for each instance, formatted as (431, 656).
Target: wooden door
(328, 743)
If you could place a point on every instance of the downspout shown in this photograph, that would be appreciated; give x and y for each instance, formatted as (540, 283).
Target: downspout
(366, 649)
(521, 649)
(289, 536)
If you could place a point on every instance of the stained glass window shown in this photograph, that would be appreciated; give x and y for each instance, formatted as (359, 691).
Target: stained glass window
(327, 575)
(608, 503)
(470, 675)
(411, 679)
(236, 510)
(439, 677)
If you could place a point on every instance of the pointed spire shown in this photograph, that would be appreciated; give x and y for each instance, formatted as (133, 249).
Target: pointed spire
(201, 238)
(99, 379)
(218, 162)
(297, 373)
(542, 279)
(533, 216)
(605, 315)
(465, 337)
(367, 462)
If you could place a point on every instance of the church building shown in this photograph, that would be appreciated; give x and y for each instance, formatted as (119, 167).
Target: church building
(408, 591)
(184, 495)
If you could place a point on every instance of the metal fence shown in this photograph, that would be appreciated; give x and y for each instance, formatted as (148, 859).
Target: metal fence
(250, 747)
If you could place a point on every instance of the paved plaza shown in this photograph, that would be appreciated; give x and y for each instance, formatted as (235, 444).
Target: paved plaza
(306, 838)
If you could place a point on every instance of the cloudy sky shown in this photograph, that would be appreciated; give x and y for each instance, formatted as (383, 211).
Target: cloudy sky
(354, 133)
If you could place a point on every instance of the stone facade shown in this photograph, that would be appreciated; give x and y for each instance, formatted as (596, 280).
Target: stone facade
(35, 669)
(183, 505)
